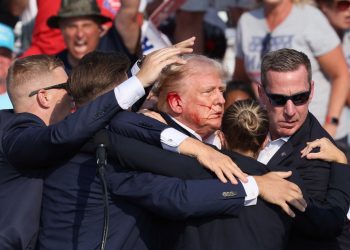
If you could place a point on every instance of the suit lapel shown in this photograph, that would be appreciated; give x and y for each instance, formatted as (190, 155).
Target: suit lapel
(292, 144)
(175, 125)
(281, 154)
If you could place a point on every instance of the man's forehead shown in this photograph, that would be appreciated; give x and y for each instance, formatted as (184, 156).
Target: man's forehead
(297, 77)
(77, 20)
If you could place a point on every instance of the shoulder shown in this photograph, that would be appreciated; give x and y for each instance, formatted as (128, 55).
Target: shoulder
(6, 116)
(311, 13)
(316, 129)
(23, 120)
(253, 15)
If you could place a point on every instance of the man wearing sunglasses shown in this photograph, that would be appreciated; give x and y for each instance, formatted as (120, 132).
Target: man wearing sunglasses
(38, 91)
(286, 90)
(338, 15)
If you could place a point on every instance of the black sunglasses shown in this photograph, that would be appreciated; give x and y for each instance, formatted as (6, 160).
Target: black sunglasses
(56, 86)
(342, 5)
(281, 100)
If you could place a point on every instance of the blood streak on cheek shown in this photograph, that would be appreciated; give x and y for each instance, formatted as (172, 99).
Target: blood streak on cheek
(196, 117)
(210, 108)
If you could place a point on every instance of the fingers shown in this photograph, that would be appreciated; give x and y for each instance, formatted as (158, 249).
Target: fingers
(299, 204)
(155, 62)
(283, 175)
(226, 169)
(228, 173)
(231, 169)
(162, 54)
(236, 171)
(186, 43)
(220, 175)
(310, 146)
(287, 209)
(312, 156)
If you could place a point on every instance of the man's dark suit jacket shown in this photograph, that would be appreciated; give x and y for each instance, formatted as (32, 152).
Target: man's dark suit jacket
(327, 184)
(21, 182)
(263, 226)
(73, 211)
(72, 208)
(334, 204)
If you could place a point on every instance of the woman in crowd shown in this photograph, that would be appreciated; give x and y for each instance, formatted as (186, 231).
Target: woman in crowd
(294, 24)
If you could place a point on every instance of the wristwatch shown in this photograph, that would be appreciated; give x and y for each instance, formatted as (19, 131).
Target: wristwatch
(332, 120)
(140, 61)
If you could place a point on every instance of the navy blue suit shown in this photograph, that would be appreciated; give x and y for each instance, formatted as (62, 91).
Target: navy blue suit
(325, 188)
(72, 212)
(262, 226)
(21, 183)
(72, 208)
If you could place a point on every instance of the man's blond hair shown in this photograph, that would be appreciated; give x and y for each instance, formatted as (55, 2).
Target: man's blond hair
(26, 73)
(173, 78)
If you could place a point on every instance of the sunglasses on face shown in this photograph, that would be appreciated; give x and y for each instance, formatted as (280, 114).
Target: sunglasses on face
(281, 100)
(56, 86)
(342, 5)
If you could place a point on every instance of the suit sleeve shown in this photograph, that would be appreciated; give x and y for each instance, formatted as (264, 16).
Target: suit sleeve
(138, 126)
(174, 198)
(29, 143)
(333, 210)
(136, 155)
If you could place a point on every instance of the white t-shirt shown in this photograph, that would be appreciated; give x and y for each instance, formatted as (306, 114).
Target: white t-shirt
(305, 29)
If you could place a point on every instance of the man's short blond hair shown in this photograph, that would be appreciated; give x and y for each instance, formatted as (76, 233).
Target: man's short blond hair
(25, 72)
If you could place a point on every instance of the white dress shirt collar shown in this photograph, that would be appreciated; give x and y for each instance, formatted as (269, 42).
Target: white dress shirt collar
(213, 139)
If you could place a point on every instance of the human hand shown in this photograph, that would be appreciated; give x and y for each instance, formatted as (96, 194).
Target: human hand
(328, 151)
(154, 62)
(274, 189)
(220, 164)
(153, 115)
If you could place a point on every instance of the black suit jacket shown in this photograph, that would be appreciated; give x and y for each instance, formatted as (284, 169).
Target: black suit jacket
(263, 226)
(327, 185)
(25, 154)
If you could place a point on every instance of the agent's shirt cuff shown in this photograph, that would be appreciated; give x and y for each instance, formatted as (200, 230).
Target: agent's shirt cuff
(252, 191)
(135, 69)
(171, 138)
(129, 92)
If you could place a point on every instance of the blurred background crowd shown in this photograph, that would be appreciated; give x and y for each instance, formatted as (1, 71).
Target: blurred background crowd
(236, 32)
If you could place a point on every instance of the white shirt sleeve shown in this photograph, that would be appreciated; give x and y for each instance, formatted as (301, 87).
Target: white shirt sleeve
(135, 69)
(252, 191)
(171, 138)
(129, 92)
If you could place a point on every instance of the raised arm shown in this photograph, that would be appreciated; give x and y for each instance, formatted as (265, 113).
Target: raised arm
(127, 24)
(28, 142)
(334, 65)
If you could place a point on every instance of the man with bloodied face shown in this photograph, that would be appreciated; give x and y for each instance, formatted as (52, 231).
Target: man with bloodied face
(192, 96)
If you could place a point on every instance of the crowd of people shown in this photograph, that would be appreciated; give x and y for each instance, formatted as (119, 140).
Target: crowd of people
(107, 146)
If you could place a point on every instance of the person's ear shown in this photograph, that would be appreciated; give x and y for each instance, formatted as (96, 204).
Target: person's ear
(43, 98)
(174, 102)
